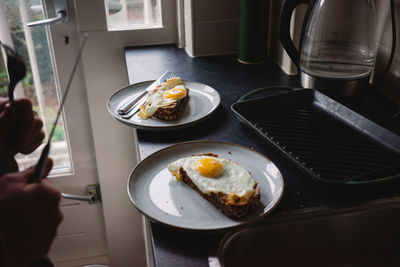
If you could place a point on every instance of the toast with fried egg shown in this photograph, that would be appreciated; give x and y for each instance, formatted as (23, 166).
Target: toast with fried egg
(167, 101)
(225, 184)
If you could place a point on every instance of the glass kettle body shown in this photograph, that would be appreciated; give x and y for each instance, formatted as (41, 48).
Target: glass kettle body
(338, 43)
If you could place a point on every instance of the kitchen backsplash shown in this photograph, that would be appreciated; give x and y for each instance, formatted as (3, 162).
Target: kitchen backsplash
(211, 28)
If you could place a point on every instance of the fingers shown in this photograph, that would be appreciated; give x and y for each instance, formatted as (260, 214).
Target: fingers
(25, 119)
(36, 128)
(48, 197)
(33, 144)
(35, 139)
(25, 112)
(7, 119)
(31, 170)
(28, 130)
(44, 187)
(12, 183)
(51, 189)
(47, 168)
(47, 190)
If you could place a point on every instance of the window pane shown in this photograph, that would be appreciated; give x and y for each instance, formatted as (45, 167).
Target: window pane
(39, 83)
(134, 13)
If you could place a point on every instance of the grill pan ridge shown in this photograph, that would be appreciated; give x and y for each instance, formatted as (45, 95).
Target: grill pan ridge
(325, 139)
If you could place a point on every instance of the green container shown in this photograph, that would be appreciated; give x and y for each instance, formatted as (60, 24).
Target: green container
(253, 31)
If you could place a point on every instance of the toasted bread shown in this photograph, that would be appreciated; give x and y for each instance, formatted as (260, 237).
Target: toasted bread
(174, 110)
(231, 205)
(169, 111)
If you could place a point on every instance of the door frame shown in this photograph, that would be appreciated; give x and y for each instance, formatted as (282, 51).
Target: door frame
(115, 145)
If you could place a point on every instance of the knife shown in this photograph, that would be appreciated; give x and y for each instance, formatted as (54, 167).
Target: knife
(126, 107)
(134, 110)
(38, 171)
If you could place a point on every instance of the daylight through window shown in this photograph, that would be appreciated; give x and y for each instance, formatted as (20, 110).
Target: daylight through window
(39, 83)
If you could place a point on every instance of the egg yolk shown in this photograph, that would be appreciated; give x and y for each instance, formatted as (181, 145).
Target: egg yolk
(209, 167)
(175, 93)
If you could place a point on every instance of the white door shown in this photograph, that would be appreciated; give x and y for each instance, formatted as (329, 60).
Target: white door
(101, 150)
(82, 233)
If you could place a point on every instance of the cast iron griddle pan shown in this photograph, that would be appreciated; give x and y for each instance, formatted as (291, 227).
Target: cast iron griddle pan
(325, 139)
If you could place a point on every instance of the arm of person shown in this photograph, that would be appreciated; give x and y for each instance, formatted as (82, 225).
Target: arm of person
(30, 215)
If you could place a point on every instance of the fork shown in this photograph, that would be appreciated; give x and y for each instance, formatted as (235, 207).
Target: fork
(16, 69)
(126, 107)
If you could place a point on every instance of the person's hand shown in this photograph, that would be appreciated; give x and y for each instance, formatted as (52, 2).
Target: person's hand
(30, 215)
(7, 123)
(8, 118)
(20, 127)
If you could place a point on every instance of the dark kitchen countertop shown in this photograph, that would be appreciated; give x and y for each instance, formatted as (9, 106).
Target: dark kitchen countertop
(231, 79)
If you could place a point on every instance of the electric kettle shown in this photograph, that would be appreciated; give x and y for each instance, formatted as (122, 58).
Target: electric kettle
(338, 44)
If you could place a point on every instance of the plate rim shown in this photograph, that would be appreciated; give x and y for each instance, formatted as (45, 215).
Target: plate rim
(220, 229)
(162, 128)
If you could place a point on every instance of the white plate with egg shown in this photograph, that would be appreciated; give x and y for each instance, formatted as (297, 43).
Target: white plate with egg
(158, 195)
(203, 101)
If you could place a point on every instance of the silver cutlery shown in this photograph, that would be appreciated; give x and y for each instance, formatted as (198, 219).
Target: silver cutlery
(134, 110)
(126, 108)
(16, 69)
(38, 172)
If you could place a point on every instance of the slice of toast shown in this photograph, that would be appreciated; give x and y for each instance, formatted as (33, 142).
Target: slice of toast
(234, 207)
(168, 112)
(174, 110)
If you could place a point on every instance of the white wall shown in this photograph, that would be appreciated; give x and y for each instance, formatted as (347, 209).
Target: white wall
(211, 27)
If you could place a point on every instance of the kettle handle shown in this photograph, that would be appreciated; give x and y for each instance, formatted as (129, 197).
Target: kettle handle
(284, 28)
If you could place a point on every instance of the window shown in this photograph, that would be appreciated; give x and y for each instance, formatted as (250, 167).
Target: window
(134, 14)
(39, 84)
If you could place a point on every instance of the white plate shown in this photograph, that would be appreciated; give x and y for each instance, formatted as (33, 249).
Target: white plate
(156, 193)
(203, 101)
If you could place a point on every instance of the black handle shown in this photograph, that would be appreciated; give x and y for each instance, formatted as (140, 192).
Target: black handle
(38, 172)
(284, 30)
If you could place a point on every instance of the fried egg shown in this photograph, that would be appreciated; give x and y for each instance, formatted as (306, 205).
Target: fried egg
(169, 92)
(176, 93)
(212, 174)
